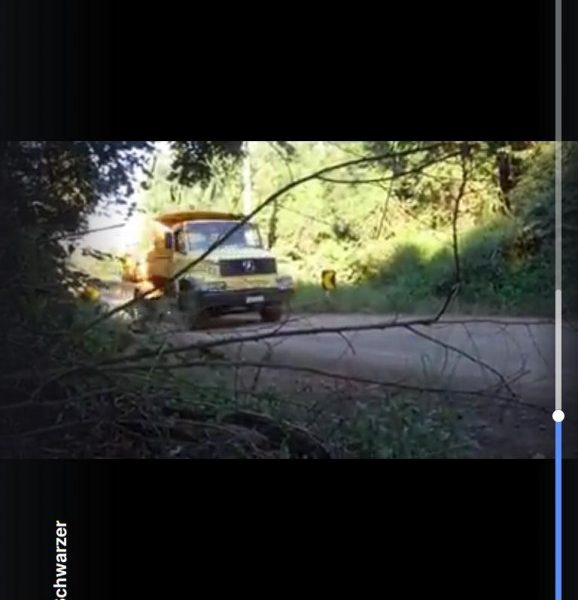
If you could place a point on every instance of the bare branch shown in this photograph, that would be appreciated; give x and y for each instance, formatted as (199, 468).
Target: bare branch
(70, 236)
(384, 211)
(60, 428)
(288, 333)
(339, 376)
(465, 355)
(278, 333)
(460, 195)
(416, 169)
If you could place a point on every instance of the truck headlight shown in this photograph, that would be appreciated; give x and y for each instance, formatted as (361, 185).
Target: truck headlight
(285, 282)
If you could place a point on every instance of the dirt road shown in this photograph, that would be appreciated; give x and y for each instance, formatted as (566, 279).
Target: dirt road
(462, 353)
(466, 354)
(511, 359)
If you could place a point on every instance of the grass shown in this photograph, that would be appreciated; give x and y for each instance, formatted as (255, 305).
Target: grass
(501, 275)
(387, 425)
(401, 427)
(407, 298)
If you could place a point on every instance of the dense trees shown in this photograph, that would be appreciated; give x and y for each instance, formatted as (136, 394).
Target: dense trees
(362, 217)
(386, 225)
(51, 187)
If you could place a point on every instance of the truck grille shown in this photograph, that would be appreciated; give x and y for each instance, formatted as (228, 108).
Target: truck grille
(250, 266)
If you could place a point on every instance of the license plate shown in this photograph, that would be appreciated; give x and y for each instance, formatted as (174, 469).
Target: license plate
(254, 299)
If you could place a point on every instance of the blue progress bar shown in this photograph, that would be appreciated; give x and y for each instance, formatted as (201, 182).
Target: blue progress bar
(558, 511)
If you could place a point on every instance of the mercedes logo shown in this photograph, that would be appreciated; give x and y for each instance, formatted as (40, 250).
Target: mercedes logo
(249, 266)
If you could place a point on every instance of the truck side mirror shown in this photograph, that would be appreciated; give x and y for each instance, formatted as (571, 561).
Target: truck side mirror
(168, 241)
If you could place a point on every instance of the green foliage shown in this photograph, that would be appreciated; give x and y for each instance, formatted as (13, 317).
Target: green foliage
(164, 192)
(401, 428)
(392, 237)
(48, 190)
(390, 241)
(388, 426)
(414, 277)
(112, 338)
(192, 161)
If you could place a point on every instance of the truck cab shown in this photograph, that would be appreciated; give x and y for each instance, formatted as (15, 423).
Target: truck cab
(239, 275)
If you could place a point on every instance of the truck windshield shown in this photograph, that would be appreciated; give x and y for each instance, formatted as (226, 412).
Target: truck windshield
(201, 234)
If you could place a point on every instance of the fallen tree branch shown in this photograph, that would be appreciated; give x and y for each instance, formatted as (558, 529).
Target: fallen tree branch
(466, 355)
(289, 333)
(201, 346)
(60, 428)
(342, 377)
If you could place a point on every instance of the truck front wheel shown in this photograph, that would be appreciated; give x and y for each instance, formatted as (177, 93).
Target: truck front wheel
(272, 314)
(195, 317)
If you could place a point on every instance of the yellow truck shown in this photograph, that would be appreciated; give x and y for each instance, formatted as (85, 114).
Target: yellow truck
(240, 275)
